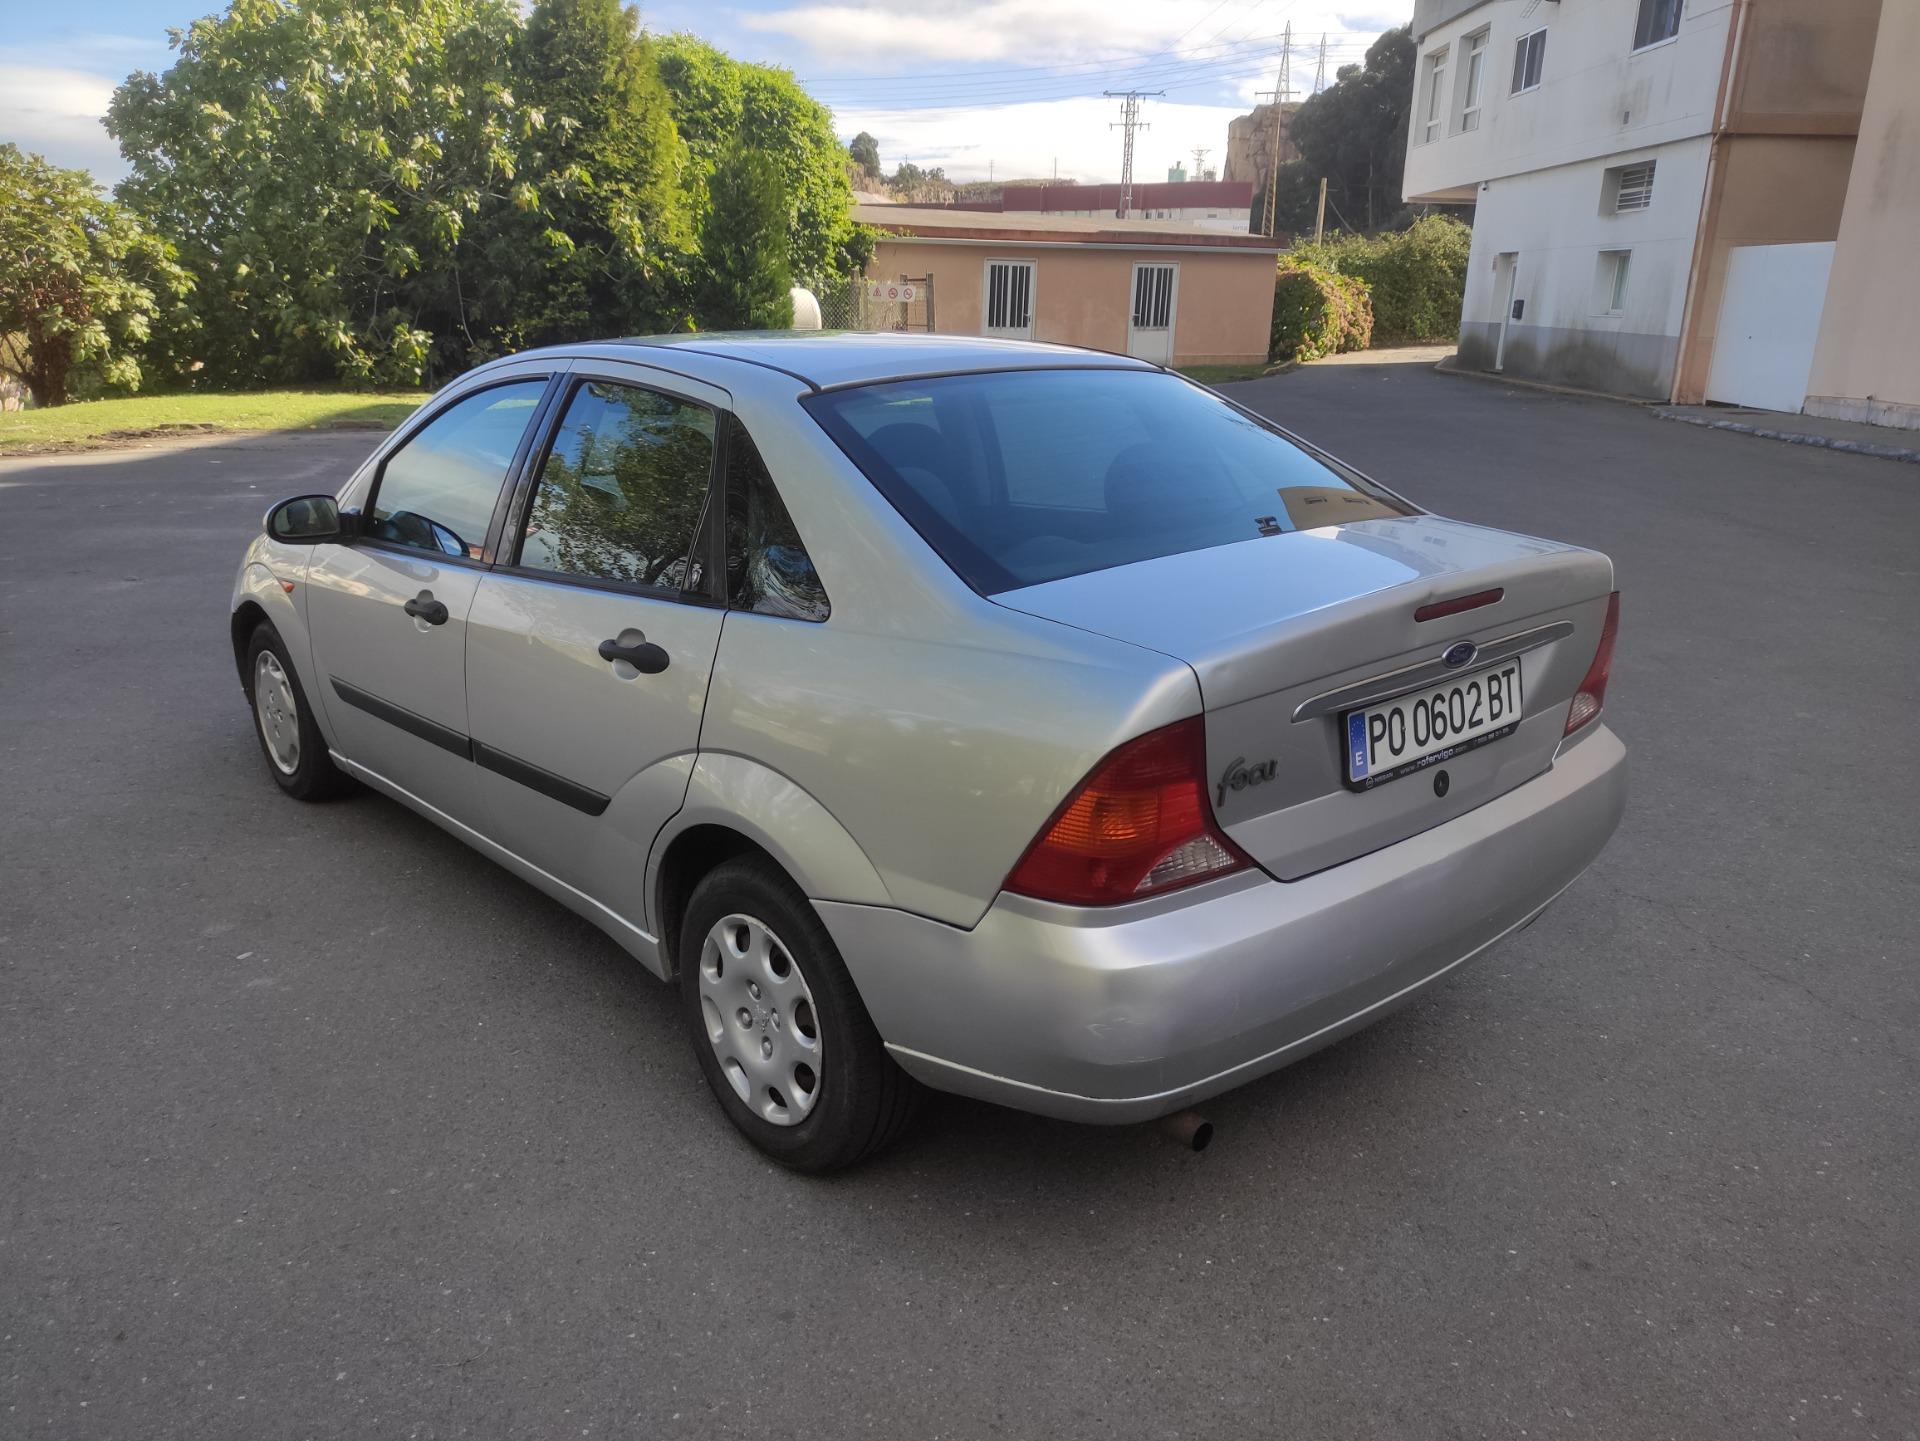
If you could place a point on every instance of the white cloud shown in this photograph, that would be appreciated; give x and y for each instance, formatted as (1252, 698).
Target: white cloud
(57, 113)
(865, 36)
(1027, 140)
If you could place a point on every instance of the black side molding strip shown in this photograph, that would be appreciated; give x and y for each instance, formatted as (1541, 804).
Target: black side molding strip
(559, 788)
(433, 732)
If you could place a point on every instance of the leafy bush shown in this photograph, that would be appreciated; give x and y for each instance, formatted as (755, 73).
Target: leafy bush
(1318, 312)
(1416, 277)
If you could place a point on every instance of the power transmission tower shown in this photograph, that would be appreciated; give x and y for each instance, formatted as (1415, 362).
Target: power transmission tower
(1200, 154)
(1128, 122)
(1282, 92)
(1320, 70)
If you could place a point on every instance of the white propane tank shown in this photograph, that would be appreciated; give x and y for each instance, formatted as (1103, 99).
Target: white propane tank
(806, 308)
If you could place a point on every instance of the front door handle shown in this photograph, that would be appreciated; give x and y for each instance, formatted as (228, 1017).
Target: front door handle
(424, 607)
(646, 657)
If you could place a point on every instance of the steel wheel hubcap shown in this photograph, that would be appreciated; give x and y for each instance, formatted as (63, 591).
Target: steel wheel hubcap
(760, 1020)
(279, 716)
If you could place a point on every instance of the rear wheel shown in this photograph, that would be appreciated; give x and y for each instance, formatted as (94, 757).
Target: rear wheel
(778, 1027)
(290, 739)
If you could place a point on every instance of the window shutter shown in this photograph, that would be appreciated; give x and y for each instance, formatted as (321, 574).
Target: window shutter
(1636, 188)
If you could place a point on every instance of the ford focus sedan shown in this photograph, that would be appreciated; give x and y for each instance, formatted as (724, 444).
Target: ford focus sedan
(1014, 720)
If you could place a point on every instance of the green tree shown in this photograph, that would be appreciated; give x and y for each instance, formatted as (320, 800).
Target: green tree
(1416, 276)
(1355, 134)
(719, 102)
(320, 167)
(865, 151)
(81, 282)
(604, 247)
(743, 244)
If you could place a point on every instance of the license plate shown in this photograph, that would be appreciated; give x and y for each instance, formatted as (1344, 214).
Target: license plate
(1425, 727)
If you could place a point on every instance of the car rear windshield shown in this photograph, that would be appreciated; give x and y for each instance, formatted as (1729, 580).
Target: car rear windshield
(1018, 477)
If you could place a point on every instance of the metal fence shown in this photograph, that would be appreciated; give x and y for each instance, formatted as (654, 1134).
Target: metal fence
(904, 303)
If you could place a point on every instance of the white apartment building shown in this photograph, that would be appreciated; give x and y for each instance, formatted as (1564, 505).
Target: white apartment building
(1647, 174)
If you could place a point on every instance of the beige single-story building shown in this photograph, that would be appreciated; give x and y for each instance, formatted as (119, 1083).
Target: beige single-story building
(1159, 290)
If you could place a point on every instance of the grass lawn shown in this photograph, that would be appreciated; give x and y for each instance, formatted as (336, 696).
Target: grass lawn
(104, 422)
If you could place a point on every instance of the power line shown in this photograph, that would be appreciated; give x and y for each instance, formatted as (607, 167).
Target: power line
(1174, 76)
(1121, 57)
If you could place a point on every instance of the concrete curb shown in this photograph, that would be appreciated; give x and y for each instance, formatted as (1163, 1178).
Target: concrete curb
(1495, 377)
(1797, 437)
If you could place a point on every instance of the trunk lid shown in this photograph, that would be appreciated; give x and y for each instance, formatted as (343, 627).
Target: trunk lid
(1288, 633)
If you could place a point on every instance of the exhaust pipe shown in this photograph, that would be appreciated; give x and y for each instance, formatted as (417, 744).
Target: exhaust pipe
(1188, 1129)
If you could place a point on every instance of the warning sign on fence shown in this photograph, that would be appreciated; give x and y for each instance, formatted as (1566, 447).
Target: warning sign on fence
(904, 291)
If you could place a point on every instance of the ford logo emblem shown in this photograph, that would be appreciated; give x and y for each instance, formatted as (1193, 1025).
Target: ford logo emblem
(1460, 653)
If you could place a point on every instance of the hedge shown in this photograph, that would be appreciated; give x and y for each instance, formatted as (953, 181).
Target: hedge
(1416, 277)
(1317, 312)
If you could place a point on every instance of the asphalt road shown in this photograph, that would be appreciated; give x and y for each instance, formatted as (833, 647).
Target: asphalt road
(312, 1123)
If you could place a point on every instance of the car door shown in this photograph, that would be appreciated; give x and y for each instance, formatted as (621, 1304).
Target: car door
(387, 611)
(590, 645)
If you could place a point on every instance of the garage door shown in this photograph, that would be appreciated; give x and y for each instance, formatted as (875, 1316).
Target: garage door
(1769, 320)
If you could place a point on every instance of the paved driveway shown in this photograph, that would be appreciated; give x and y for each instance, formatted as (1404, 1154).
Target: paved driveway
(314, 1124)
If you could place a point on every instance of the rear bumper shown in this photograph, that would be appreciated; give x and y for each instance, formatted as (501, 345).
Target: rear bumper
(1126, 1014)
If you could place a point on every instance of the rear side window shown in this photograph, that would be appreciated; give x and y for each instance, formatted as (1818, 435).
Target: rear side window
(768, 569)
(1021, 477)
(622, 488)
(437, 491)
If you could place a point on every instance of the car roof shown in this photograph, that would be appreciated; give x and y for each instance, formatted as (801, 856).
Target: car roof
(826, 358)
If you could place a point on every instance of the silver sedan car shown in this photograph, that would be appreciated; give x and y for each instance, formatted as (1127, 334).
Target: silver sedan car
(1009, 719)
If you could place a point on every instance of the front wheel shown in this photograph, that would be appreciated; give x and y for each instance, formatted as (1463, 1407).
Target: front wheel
(289, 737)
(778, 1027)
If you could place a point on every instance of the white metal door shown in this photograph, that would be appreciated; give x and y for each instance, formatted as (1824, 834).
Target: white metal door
(1506, 272)
(1769, 320)
(1156, 295)
(1006, 307)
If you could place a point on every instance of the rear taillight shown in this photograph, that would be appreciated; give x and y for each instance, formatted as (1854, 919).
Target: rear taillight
(1592, 694)
(1137, 826)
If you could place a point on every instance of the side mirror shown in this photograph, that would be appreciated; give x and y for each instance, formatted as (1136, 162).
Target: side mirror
(305, 520)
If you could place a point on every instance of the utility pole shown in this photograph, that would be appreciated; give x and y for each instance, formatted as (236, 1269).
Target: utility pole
(1320, 215)
(1128, 122)
(1282, 92)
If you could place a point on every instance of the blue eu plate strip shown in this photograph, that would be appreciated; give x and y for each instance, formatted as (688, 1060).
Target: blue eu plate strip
(1357, 746)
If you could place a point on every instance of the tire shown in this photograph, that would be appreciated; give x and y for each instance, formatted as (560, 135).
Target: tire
(745, 922)
(295, 751)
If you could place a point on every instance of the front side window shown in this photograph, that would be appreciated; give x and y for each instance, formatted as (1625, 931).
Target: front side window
(1658, 20)
(1436, 94)
(1021, 477)
(1472, 72)
(1529, 59)
(437, 491)
(768, 569)
(622, 489)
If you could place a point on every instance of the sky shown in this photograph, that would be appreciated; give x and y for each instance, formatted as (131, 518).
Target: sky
(982, 88)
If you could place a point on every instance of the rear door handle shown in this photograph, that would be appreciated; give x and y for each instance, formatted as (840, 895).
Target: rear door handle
(424, 607)
(646, 657)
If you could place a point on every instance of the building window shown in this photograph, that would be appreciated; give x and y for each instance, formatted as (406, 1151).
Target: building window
(1010, 297)
(1627, 188)
(1659, 20)
(1436, 95)
(1473, 64)
(1529, 55)
(1610, 282)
